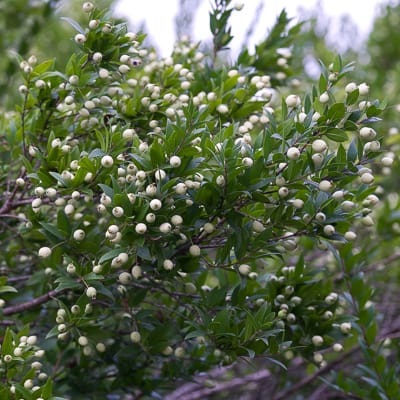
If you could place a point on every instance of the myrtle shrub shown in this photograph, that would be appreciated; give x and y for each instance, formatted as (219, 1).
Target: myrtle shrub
(161, 217)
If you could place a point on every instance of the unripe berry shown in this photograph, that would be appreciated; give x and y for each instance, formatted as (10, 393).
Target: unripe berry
(363, 89)
(345, 327)
(155, 204)
(292, 100)
(168, 265)
(247, 162)
(298, 203)
(136, 271)
(244, 269)
(209, 227)
(367, 178)
(283, 192)
(194, 250)
(350, 87)
(87, 7)
(220, 180)
(179, 352)
(165, 227)
(317, 340)
(124, 278)
(258, 226)
(93, 24)
(107, 161)
(324, 98)
(91, 292)
(83, 341)
(329, 230)
(176, 220)
(80, 38)
(135, 337)
(79, 235)
(325, 186)
(320, 217)
(44, 252)
(317, 159)
(97, 57)
(350, 236)
(367, 133)
(293, 153)
(141, 228)
(175, 161)
(319, 146)
(223, 109)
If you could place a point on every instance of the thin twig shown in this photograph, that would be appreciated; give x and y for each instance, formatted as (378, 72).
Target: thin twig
(32, 303)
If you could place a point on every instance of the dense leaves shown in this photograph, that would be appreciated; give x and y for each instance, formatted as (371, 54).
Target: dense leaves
(166, 216)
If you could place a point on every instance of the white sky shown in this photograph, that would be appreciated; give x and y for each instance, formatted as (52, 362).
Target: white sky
(159, 17)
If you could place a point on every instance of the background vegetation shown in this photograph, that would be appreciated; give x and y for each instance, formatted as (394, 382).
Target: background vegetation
(247, 282)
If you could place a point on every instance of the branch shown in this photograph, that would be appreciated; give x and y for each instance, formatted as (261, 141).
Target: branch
(383, 262)
(219, 387)
(32, 303)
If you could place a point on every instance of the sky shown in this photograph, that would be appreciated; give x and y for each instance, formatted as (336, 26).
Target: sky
(159, 17)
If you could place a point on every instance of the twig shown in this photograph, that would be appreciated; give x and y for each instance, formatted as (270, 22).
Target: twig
(33, 303)
(219, 387)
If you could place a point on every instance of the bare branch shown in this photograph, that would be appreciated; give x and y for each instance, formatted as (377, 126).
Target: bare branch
(32, 303)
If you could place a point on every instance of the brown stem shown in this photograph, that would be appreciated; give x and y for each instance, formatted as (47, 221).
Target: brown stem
(32, 303)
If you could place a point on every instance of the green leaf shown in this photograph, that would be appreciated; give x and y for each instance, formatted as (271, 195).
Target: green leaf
(7, 347)
(8, 289)
(74, 24)
(352, 97)
(51, 231)
(336, 134)
(336, 111)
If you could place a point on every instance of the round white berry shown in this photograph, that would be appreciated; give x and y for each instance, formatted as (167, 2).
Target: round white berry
(141, 228)
(87, 7)
(165, 227)
(317, 340)
(247, 162)
(345, 327)
(350, 236)
(107, 161)
(367, 133)
(194, 250)
(258, 226)
(367, 178)
(44, 252)
(79, 235)
(329, 230)
(136, 271)
(298, 203)
(168, 265)
(208, 227)
(363, 89)
(223, 109)
(244, 269)
(135, 337)
(293, 153)
(324, 98)
(175, 161)
(83, 341)
(150, 218)
(283, 191)
(155, 204)
(176, 220)
(319, 146)
(91, 292)
(292, 100)
(350, 87)
(80, 38)
(325, 185)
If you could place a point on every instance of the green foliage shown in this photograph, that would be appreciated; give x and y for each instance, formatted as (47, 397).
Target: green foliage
(163, 217)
